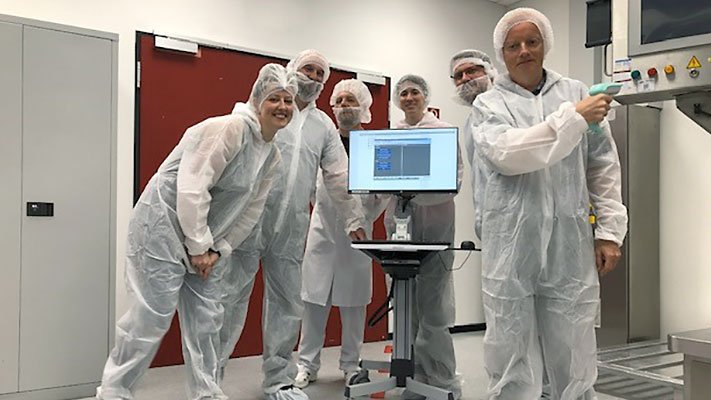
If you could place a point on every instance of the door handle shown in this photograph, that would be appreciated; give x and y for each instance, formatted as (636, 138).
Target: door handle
(39, 209)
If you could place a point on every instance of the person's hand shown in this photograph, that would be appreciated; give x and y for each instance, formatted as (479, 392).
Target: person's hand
(594, 108)
(607, 254)
(204, 263)
(358, 234)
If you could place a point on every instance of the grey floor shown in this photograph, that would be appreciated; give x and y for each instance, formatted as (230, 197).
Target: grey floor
(243, 376)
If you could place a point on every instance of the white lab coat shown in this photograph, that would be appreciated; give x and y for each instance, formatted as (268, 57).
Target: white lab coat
(330, 264)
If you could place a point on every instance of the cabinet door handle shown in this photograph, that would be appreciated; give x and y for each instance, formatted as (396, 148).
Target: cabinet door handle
(39, 209)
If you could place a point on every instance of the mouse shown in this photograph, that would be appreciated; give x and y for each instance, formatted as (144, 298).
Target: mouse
(467, 245)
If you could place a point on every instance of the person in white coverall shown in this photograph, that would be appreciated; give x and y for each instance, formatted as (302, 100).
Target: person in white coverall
(204, 200)
(309, 141)
(472, 74)
(433, 310)
(538, 167)
(333, 272)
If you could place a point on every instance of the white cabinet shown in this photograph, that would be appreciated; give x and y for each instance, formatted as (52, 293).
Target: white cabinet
(10, 201)
(58, 145)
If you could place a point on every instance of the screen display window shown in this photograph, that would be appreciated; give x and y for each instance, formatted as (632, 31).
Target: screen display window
(664, 19)
(403, 160)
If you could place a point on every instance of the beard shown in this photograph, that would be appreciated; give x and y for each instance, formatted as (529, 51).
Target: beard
(467, 91)
(347, 117)
(309, 90)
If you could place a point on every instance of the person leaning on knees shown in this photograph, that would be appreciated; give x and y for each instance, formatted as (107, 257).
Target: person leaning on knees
(537, 168)
(204, 200)
(310, 142)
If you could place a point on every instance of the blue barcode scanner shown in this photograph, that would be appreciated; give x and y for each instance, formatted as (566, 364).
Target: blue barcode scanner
(609, 88)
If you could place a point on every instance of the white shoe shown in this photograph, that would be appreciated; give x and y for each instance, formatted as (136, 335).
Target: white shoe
(304, 377)
(287, 393)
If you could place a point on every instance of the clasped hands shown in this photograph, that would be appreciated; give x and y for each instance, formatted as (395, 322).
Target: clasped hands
(204, 263)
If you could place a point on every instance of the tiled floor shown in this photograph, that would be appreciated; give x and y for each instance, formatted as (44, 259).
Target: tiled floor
(243, 376)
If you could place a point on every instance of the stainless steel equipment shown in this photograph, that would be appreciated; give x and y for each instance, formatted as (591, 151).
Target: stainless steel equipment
(630, 294)
(662, 51)
(696, 347)
(646, 370)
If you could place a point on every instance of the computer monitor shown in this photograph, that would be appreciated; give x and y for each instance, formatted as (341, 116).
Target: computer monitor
(664, 25)
(403, 160)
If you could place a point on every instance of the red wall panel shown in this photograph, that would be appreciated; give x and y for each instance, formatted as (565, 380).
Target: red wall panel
(179, 90)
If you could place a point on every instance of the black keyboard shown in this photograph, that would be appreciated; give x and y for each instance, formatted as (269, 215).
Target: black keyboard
(402, 242)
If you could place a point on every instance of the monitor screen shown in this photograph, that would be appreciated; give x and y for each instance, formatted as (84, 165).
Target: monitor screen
(403, 160)
(656, 26)
(664, 19)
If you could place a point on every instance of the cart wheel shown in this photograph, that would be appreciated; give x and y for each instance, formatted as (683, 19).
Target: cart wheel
(360, 377)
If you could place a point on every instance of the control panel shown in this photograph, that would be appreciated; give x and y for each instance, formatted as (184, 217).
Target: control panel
(662, 76)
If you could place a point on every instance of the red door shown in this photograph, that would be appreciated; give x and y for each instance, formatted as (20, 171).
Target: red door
(178, 90)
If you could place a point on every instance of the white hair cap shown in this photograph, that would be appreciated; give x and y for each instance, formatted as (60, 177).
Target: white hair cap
(475, 57)
(412, 81)
(515, 17)
(361, 93)
(312, 57)
(271, 78)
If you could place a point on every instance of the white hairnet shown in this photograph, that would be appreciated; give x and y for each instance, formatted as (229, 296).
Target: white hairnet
(310, 57)
(271, 78)
(409, 81)
(475, 57)
(360, 91)
(516, 16)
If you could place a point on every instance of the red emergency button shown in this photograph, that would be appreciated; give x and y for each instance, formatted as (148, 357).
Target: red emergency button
(652, 72)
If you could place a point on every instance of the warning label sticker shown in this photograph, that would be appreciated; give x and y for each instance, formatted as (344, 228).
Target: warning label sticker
(693, 63)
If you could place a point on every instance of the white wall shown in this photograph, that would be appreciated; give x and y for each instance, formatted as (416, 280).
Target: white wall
(392, 37)
(581, 61)
(685, 223)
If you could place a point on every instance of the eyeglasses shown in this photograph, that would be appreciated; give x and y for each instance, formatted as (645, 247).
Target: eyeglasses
(346, 101)
(472, 71)
(530, 43)
(309, 69)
